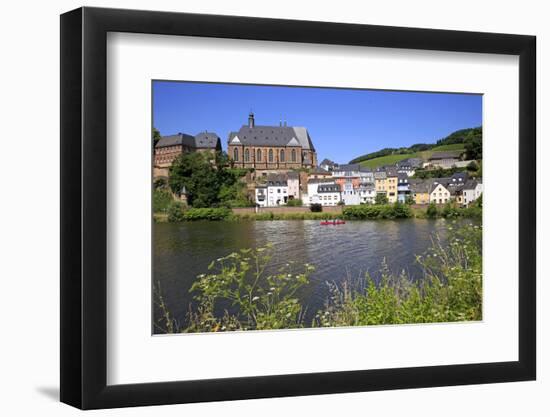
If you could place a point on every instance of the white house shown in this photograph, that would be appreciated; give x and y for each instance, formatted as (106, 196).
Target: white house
(323, 192)
(277, 190)
(472, 191)
(366, 192)
(261, 195)
(329, 194)
(439, 194)
(293, 183)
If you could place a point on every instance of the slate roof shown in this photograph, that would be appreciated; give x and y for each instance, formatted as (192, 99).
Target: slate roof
(293, 175)
(320, 181)
(174, 140)
(272, 136)
(352, 167)
(277, 180)
(208, 140)
(419, 186)
(471, 184)
(328, 188)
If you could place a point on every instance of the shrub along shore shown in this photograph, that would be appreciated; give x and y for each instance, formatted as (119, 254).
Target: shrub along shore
(176, 212)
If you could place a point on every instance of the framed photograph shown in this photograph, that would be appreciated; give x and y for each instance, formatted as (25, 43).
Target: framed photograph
(256, 208)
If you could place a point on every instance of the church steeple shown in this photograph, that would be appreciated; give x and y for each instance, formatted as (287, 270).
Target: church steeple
(251, 120)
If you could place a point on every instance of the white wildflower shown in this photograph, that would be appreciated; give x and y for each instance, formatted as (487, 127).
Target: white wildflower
(256, 298)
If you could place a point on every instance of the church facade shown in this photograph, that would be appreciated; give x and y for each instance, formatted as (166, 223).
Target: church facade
(271, 148)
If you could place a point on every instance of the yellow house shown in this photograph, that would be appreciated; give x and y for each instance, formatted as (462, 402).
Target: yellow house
(420, 191)
(391, 184)
(380, 181)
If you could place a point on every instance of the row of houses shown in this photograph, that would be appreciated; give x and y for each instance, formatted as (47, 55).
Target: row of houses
(352, 184)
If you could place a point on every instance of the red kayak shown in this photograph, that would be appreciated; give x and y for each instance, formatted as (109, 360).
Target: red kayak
(332, 222)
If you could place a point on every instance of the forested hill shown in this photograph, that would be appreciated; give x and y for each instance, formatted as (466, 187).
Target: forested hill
(470, 139)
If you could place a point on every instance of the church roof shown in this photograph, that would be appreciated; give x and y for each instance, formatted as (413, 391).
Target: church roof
(203, 140)
(272, 136)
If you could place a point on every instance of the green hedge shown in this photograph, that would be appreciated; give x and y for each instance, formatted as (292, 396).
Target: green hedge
(367, 212)
(221, 213)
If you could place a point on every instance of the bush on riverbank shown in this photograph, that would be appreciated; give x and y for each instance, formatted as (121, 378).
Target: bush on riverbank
(162, 198)
(220, 213)
(175, 212)
(372, 212)
(264, 301)
(316, 207)
(449, 290)
(295, 202)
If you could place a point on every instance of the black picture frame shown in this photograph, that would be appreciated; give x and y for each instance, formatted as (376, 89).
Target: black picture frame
(84, 207)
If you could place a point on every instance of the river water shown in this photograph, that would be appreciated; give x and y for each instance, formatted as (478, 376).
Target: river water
(184, 250)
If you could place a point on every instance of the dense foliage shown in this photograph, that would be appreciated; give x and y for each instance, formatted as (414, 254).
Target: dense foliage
(295, 202)
(155, 136)
(370, 212)
(161, 200)
(316, 207)
(208, 180)
(220, 213)
(175, 212)
(261, 300)
(437, 172)
(381, 199)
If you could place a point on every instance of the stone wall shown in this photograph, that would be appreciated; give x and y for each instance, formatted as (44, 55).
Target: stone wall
(279, 210)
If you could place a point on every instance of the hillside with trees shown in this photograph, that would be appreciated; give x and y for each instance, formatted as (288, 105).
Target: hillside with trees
(467, 140)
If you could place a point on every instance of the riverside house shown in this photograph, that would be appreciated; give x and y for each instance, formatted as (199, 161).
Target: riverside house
(277, 190)
(471, 191)
(420, 191)
(326, 193)
(380, 179)
(438, 193)
(391, 184)
(403, 187)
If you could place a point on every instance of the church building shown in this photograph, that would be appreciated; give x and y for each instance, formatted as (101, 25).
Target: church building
(271, 148)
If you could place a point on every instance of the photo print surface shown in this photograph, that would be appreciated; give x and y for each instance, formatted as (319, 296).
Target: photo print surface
(287, 207)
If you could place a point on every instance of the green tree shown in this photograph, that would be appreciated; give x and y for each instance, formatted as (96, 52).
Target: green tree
(175, 212)
(431, 211)
(381, 199)
(201, 179)
(472, 167)
(316, 208)
(156, 136)
(474, 148)
(208, 181)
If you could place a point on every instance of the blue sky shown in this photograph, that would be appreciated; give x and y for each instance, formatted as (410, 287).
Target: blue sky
(342, 123)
